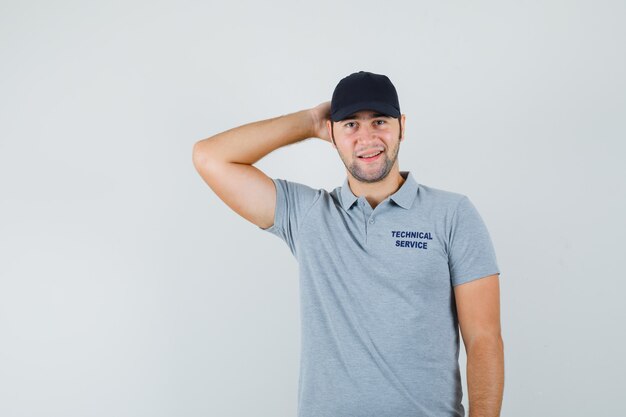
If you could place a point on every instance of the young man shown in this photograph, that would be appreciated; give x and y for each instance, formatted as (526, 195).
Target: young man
(389, 268)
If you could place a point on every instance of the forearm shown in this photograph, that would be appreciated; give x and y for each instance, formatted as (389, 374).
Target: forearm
(249, 143)
(485, 377)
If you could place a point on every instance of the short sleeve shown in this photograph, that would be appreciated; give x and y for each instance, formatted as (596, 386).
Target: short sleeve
(471, 254)
(293, 202)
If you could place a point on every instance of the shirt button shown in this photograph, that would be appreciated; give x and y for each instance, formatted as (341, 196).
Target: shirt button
(371, 221)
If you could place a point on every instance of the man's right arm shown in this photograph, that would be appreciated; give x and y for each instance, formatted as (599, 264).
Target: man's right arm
(225, 160)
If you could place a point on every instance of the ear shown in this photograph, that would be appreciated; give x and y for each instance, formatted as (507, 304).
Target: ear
(403, 124)
(329, 128)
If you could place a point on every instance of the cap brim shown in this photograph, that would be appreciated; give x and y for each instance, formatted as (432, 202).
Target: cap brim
(378, 106)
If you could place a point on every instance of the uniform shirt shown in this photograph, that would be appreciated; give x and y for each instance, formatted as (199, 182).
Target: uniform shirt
(380, 332)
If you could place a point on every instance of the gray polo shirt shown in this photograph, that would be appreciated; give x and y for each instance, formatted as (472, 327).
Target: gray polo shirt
(380, 333)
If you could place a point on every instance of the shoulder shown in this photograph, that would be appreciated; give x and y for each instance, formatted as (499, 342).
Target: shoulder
(297, 196)
(297, 187)
(439, 197)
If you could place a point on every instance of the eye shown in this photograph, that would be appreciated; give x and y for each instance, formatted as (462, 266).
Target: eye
(348, 124)
(382, 121)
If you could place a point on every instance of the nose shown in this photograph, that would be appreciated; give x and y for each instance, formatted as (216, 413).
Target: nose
(366, 132)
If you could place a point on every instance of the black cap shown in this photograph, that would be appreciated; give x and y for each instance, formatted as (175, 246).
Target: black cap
(364, 90)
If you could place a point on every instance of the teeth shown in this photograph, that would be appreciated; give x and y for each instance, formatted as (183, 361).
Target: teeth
(368, 156)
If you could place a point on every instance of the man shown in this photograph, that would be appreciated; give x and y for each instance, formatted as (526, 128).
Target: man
(389, 268)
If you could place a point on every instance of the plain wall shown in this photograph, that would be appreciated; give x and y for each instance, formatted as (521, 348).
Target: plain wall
(127, 288)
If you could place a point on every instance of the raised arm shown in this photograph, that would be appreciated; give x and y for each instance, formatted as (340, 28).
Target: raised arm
(225, 160)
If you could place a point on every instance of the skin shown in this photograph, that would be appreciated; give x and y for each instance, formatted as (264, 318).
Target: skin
(478, 309)
(362, 131)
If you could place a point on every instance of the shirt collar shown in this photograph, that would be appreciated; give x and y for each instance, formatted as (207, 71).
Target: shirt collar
(404, 196)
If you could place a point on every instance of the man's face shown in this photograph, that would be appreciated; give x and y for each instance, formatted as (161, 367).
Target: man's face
(364, 133)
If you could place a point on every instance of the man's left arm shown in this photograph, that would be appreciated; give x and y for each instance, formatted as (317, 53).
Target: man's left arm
(478, 310)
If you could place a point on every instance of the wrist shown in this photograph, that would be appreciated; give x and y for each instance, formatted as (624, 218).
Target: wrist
(313, 122)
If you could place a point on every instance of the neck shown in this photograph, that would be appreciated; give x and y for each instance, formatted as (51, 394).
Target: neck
(376, 192)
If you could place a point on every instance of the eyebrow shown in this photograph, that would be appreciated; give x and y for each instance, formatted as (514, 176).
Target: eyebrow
(375, 115)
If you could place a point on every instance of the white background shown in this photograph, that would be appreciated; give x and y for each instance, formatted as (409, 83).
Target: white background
(127, 288)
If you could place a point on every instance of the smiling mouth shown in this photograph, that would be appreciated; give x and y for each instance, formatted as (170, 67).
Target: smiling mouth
(371, 158)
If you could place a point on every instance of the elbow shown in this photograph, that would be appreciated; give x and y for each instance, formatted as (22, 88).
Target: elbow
(205, 159)
(200, 153)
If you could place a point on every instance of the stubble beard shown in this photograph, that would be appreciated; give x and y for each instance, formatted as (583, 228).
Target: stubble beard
(363, 174)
